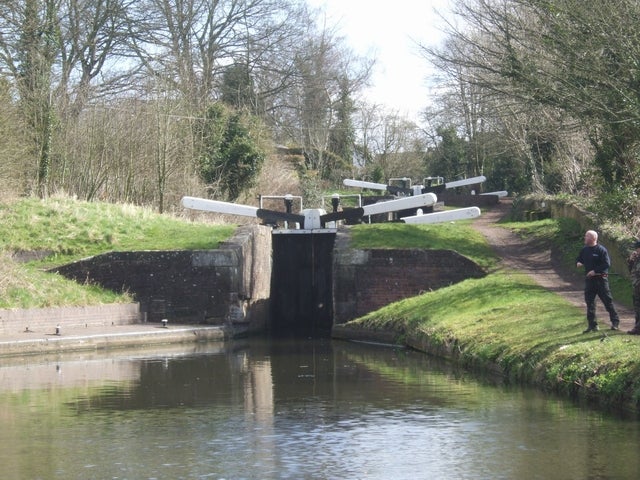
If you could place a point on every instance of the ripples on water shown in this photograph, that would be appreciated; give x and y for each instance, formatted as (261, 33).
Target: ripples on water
(283, 410)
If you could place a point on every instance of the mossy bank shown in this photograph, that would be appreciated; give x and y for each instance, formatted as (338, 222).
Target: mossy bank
(507, 324)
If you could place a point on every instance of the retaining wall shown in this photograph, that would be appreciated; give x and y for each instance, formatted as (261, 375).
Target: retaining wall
(463, 200)
(366, 280)
(229, 285)
(46, 319)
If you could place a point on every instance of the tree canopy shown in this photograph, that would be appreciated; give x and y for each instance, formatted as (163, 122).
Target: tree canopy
(147, 100)
(557, 79)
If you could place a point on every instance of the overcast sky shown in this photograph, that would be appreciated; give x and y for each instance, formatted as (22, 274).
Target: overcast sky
(389, 30)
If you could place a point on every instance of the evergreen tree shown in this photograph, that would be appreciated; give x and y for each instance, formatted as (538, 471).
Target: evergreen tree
(230, 153)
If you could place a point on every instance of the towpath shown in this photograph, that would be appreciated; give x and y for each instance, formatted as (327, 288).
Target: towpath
(520, 256)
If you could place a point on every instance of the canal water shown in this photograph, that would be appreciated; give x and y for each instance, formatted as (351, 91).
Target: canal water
(313, 409)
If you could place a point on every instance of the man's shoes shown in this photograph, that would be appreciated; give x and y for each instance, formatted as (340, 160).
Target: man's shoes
(634, 331)
(615, 327)
(591, 329)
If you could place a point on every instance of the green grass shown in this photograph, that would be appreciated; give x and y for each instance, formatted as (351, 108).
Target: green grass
(65, 230)
(71, 229)
(507, 321)
(566, 236)
(564, 233)
(529, 333)
(26, 286)
(458, 236)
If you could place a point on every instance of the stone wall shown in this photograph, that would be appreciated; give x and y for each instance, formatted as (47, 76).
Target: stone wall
(46, 319)
(228, 285)
(464, 200)
(366, 280)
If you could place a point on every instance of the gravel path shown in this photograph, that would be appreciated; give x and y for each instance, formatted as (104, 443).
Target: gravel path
(526, 258)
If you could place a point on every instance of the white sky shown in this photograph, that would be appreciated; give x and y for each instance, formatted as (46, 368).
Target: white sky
(389, 30)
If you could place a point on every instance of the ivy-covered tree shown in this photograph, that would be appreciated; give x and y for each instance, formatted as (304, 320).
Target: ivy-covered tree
(30, 55)
(237, 89)
(342, 134)
(449, 159)
(14, 166)
(231, 154)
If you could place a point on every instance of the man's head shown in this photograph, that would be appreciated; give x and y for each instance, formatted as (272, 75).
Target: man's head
(591, 238)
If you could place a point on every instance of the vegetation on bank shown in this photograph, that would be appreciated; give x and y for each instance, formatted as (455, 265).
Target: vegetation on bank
(507, 322)
(59, 230)
(457, 236)
(566, 236)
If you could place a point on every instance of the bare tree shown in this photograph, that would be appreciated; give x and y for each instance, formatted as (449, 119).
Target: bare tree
(130, 151)
(319, 103)
(367, 121)
(94, 35)
(55, 52)
(571, 56)
(77, 65)
(189, 44)
(390, 145)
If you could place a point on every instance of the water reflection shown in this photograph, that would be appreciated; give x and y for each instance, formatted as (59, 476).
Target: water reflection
(276, 410)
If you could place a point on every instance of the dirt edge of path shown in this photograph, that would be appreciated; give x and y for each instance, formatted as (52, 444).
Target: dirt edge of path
(540, 262)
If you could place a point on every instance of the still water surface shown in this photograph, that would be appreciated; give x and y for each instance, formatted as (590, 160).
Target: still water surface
(261, 409)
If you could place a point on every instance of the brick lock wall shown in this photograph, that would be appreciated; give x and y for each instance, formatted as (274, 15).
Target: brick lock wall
(462, 200)
(212, 286)
(167, 284)
(366, 280)
(232, 284)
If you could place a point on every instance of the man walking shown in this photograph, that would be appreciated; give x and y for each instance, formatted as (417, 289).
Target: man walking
(596, 262)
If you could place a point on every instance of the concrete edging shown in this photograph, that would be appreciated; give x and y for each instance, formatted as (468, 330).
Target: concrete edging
(12, 320)
(133, 337)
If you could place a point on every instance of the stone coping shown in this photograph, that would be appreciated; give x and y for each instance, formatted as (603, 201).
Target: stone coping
(101, 338)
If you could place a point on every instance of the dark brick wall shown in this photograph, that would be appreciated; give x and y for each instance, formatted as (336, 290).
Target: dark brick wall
(232, 284)
(463, 200)
(212, 286)
(366, 280)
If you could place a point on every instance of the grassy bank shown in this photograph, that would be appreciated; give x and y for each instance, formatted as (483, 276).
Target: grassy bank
(507, 323)
(567, 237)
(458, 236)
(56, 231)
